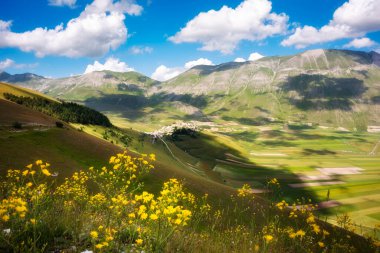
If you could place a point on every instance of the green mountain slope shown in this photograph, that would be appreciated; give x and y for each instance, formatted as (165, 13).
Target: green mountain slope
(333, 87)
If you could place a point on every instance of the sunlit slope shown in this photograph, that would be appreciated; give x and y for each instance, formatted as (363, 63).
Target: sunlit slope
(21, 91)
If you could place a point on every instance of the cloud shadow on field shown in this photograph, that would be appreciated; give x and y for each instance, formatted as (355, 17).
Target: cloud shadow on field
(227, 165)
(318, 92)
(207, 70)
(137, 106)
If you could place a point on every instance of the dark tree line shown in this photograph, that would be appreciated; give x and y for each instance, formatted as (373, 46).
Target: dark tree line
(66, 111)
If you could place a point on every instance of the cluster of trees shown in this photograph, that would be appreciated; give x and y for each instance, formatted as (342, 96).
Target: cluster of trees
(65, 111)
(117, 135)
(178, 131)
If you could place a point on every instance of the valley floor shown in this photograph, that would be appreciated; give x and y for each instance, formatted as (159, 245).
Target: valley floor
(322, 163)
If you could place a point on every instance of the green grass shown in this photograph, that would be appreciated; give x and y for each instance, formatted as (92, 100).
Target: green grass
(20, 91)
(67, 149)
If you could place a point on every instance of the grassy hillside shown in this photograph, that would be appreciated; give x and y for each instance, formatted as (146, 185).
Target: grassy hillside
(20, 91)
(71, 149)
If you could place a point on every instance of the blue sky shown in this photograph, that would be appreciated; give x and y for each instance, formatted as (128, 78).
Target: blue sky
(144, 35)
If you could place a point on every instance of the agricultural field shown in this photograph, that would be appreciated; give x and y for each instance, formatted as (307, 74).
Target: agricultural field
(316, 162)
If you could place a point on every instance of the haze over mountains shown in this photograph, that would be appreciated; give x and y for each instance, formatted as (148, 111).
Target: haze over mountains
(322, 86)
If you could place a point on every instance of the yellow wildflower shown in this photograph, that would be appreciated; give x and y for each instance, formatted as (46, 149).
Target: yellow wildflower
(268, 238)
(46, 172)
(99, 246)
(153, 217)
(94, 234)
(5, 218)
(21, 209)
(139, 241)
(316, 228)
(321, 244)
(143, 216)
(245, 190)
(310, 219)
(301, 233)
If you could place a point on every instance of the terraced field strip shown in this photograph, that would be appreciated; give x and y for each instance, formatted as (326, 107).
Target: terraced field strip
(312, 184)
(359, 199)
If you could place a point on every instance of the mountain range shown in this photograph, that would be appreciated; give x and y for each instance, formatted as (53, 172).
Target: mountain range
(338, 87)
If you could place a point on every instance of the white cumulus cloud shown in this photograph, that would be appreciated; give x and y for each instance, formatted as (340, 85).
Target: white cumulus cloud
(200, 61)
(360, 43)
(70, 3)
(252, 57)
(354, 18)
(163, 73)
(7, 63)
(222, 30)
(112, 64)
(239, 59)
(255, 56)
(98, 29)
(141, 50)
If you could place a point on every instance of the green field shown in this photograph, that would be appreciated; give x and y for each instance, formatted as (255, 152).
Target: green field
(291, 155)
(234, 154)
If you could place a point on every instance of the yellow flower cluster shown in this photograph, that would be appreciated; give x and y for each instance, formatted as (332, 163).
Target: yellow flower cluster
(305, 211)
(274, 182)
(282, 205)
(293, 234)
(245, 191)
(166, 207)
(114, 200)
(102, 237)
(98, 200)
(13, 207)
(43, 167)
(74, 188)
(123, 172)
